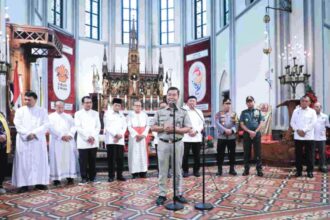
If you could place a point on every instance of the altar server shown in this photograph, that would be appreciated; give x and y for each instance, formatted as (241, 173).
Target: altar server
(30, 166)
(63, 153)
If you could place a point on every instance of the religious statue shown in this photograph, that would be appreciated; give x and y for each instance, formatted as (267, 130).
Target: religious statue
(134, 80)
(96, 79)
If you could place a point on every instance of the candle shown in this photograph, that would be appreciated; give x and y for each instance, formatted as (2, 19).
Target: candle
(157, 100)
(151, 97)
(125, 99)
(144, 99)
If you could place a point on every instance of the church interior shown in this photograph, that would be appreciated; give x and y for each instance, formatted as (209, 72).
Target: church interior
(273, 51)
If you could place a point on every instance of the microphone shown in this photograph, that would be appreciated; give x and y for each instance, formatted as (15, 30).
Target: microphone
(173, 105)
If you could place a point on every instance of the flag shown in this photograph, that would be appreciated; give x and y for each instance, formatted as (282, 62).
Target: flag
(16, 89)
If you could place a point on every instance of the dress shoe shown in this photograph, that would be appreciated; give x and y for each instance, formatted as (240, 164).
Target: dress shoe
(260, 173)
(121, 178)
(323, 170)
(298, 174)
(41, 187)
(310, 174)
(56, 182)
(185, 174)
(219, 173)
(160, 200)
(135, 175)
(197, 174)
(143, 174)
(23, 189)
(111, 179)
(70, 181)
(232, 172)
(82, 182)
(246, 173)
(94, 181)
(180, 199)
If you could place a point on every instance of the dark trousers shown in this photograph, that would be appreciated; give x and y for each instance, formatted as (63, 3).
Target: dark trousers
(115, 156)
(309, 150)
(221, 148)
(87, 160)
(3, 164)
(320, 145)
(196, 148)
(247, 143)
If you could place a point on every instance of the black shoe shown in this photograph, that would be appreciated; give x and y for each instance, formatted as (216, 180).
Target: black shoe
(143, 175)
(180, 199)
(70, 181)
(23, 189)
(323, 170)
(83, 182)
(246, 173)
(260, 173)
(197, 174)
(111, 179)
(185, 174)
(232, 172)
(41, 187)
(298, 174)
(56, 182)
(121, 178)
(134, 175)
(160, 200)
(219, 173)
(310, 174)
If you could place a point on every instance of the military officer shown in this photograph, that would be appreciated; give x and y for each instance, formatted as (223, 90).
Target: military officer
(163, 125)
(226, 122)
(251, 122)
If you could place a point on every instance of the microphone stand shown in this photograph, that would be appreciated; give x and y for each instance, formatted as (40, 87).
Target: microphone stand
(202, 205)
(175, 205)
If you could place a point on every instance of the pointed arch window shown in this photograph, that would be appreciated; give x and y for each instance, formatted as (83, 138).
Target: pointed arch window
(129, 13)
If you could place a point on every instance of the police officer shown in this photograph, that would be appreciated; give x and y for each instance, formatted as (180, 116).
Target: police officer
(251, 122)
(163, 125)
(226, 122)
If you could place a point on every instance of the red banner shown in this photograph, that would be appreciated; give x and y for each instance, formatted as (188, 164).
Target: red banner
(61, 76)
(197, 74)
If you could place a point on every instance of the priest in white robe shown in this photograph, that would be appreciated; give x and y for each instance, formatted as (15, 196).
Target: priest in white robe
(137, 122)
(30, 166)
(63, 153)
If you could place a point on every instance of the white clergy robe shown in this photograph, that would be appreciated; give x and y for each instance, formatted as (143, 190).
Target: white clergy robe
(137, 151)
(30, 166)
(88, 125)
(63, 155)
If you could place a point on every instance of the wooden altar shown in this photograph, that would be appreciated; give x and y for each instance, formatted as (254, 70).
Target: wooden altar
(133, 84)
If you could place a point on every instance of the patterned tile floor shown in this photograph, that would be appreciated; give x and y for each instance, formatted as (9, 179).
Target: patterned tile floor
(277, 195)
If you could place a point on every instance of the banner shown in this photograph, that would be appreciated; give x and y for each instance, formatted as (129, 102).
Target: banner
(61, 76)
(197, 74)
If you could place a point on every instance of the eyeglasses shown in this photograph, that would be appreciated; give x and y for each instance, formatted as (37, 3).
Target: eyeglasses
(227, 103)
(138, 105)
(87, 102)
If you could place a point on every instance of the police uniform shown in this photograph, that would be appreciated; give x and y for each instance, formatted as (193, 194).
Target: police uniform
(164, 117)
(252, 119)
(226, 120)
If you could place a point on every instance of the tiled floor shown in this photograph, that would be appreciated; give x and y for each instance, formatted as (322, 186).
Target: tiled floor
(277, 195)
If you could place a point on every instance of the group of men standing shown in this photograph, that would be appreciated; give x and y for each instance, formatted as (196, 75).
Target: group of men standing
(74, 142)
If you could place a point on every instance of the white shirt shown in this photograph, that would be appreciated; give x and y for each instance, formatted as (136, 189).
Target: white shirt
(88, 125)
(197, 120)
(319, 129)
(303, 119)
(114, 123)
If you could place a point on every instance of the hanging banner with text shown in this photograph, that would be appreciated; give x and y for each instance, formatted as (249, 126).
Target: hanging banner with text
(61, 76)
(197, 74)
